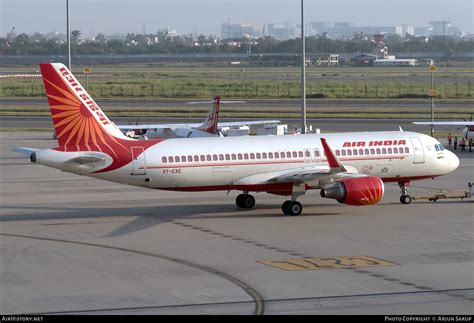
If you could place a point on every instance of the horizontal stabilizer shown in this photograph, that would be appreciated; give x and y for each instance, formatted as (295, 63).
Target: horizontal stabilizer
(25, 150)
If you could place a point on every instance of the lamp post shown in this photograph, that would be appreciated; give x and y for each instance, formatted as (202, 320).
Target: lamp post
(432, 96)
(68, 37)
(303, 74)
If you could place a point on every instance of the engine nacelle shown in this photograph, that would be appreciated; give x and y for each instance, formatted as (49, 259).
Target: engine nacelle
(356, 191)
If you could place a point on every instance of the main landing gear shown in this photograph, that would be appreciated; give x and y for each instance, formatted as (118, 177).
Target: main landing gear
(405, 198)
(291, 208)
(245, 201)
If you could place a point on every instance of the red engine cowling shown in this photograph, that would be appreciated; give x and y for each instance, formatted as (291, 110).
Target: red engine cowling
(356, 191)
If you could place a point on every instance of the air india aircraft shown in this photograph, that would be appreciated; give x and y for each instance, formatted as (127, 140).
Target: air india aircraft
(348, 167)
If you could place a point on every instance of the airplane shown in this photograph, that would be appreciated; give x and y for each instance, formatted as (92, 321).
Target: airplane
(210, 127)
(468, 126)
(348, 167)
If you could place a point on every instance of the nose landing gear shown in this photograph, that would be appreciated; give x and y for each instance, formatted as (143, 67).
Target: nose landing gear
(405, 198)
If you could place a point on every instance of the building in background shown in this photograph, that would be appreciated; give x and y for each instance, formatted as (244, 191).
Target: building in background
(281, 31)
(229, 30)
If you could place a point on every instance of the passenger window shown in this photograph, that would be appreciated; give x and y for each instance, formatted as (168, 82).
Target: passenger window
(221, 157)
(343, 152)
(259, 156)
(384, 151)
(367, 151)
(246, 156)
(407, 150)
(270, 155)
(337, 152)
(239, 156)
(183, 158)
(227, 157)
(300, 154)
(349, 152)
(214, 157)
(361, 151)
(203, 158)
(288, 154)
(316, 152)
(177, 159)
(277, 155)
(372, 151)
(295, 154)
(395, 150)
(264, 155)
(163, 159)
(234, 156)
(355, 152)
(389, 150)
(190, 158)
(307, 153)
(196, 158)
(252, 156)
(378, 151)
(209, 157)
(170, 159)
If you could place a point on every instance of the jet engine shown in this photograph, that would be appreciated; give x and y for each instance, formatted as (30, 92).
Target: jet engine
(356, 191)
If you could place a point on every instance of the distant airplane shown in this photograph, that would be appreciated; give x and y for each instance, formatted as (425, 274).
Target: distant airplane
(468, 126)
(352, 172)
(211, 127)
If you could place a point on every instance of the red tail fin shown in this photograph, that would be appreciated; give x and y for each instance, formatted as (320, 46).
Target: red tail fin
(77, 119)
(210, 125)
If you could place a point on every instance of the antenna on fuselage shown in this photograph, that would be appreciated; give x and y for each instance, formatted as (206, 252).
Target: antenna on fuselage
(400, 127)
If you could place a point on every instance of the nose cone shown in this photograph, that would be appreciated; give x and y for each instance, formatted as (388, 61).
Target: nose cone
(453, 161)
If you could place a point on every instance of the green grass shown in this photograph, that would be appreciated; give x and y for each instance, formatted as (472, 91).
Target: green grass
(174, 80)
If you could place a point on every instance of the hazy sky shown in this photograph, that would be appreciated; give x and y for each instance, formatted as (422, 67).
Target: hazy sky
(108, 16)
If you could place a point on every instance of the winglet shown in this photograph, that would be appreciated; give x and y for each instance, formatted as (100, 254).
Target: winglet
(333, 161)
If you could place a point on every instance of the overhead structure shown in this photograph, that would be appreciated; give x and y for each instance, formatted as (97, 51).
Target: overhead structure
(68, 37)
(303, 73)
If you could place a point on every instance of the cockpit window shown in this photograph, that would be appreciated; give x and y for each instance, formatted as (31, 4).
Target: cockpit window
(439, 147)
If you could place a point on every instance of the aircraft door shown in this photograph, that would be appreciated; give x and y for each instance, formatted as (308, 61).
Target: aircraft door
(317, 155)
(418, 152)
(139, 161)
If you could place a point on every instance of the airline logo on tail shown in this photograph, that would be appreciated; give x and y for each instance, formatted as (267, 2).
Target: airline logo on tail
(210, 125)
(76, 117)
(79, 122)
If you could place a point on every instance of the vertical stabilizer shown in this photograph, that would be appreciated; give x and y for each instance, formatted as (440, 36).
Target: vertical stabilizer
(77, 119)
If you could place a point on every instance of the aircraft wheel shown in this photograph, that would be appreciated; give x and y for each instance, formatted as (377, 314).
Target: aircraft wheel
(405, 199)
(293, 208)
(239, 199)
(284, 207)
(245, 201)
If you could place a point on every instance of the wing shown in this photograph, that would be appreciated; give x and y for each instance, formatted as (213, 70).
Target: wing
(447, 123)
(306, 174)
(246, 123)
(170, 126)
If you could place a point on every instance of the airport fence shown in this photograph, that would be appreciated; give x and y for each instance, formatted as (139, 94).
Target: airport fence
(246, 91)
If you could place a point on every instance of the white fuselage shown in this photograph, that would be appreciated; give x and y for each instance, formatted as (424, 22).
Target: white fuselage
(222, 163)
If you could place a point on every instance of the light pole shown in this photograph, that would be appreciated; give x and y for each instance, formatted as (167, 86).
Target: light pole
(68, 36)
(432, 96)
(303, 74)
